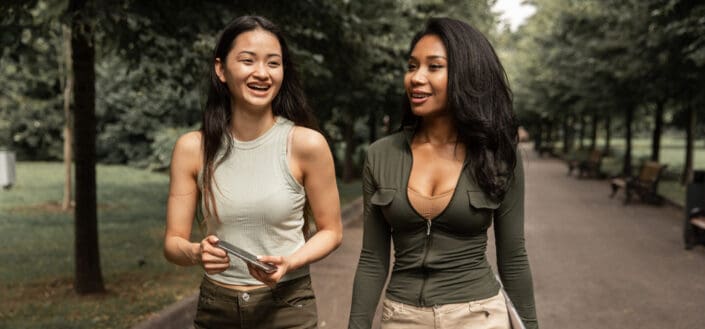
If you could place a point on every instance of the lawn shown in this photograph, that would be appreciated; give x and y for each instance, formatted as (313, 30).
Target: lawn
(672, 154)
(37, 250)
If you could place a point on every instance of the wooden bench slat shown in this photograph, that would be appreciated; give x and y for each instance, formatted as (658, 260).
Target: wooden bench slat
(699, 222)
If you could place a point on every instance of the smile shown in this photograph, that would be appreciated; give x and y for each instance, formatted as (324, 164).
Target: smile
(418, 97)
(258, 87)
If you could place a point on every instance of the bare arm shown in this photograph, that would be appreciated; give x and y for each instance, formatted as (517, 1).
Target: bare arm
(181, 206)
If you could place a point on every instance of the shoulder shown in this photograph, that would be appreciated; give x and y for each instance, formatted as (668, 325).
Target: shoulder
(307, 142)
(189, 144)
(188, 152)
(387, 144)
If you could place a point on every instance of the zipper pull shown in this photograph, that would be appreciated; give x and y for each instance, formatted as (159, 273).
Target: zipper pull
(428, 227)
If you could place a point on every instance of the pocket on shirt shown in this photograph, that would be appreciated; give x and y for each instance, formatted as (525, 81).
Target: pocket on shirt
(383, 197)
(479, 200)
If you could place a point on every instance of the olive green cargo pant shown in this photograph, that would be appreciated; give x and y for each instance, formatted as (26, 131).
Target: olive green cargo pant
(289, 305)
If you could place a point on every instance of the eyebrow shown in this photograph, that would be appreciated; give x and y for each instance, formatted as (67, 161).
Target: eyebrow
(430, 57)
(254, 54)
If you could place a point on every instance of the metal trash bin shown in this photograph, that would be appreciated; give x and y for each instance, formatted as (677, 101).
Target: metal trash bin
(7, 169)
(694, 207)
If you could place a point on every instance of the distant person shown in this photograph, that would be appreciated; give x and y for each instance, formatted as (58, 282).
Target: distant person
(435, 187)
(254, 166)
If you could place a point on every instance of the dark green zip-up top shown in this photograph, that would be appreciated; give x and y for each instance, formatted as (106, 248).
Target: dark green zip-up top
(441, 261)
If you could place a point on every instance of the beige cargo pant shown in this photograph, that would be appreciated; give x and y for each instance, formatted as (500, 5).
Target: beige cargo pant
(490, 313)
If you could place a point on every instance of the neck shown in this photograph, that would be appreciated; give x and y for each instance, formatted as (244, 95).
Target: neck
(437, 130)
(248, 125)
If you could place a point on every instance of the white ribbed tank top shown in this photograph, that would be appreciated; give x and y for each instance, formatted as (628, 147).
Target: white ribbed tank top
(260, 204)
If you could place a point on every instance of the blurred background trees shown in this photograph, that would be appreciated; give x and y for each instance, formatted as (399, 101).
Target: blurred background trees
(152, 60)
(617, 67)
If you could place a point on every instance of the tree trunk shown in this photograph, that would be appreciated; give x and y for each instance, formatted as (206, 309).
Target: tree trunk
(582, 132)
(538, 135)
(348, 162)
(593, 132)
(68, 87)
(89, 278)
(567, 132)
(658, 128)
(608, 135)
(372, 126)
(628, 118)
(687, 175)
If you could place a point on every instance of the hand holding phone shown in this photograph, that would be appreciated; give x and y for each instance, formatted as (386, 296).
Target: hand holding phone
(246, 256)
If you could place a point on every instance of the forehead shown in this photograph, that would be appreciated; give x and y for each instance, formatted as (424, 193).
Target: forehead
(429, 45)
(257, 41)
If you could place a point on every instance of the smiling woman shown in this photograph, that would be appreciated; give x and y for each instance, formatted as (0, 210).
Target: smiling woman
(433, 189)
(257, 169)
(252, 71)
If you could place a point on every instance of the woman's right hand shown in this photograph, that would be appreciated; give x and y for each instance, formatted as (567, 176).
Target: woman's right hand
(213, 259)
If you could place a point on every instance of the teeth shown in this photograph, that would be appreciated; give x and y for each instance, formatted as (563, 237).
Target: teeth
(258, 87)
(419, 95)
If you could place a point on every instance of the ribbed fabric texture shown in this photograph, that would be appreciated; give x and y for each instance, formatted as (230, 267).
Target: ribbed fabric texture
(260, 204)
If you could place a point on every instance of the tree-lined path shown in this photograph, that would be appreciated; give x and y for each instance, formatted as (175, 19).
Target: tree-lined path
(595, 262)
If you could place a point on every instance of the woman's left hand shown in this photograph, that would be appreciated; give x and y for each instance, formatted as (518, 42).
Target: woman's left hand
(270, 279)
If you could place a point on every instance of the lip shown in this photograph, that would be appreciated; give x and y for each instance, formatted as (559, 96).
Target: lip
(418, 97)
(258, 92)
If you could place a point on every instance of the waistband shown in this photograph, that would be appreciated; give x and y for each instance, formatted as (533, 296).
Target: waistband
(212, 290)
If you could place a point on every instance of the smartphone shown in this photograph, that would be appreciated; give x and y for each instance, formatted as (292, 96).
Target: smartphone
(246, 256)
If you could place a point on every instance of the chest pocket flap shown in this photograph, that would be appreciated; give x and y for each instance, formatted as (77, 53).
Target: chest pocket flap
(383, 196)
(479, 200)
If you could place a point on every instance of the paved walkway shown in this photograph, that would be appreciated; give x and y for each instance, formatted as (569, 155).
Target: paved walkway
(596, 263)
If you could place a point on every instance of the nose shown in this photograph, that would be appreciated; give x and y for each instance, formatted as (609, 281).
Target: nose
(260, 71)
(417, 77)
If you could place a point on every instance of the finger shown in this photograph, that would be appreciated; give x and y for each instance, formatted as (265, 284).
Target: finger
(257, 274)
(212, 239)
(271, 259)
(214, 268)
(211, 258)
(213, 250)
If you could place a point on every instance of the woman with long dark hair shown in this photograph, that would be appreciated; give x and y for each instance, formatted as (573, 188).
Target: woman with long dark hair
(435, 188)
(254, 171)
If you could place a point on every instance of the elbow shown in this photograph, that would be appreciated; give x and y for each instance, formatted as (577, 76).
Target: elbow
(338, 239)
(167, 255)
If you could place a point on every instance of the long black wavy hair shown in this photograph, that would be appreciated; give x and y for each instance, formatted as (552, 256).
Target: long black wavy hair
(289, 103)
(480, 101)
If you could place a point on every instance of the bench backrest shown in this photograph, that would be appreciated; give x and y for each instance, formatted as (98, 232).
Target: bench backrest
(595, 156)
(650, 172)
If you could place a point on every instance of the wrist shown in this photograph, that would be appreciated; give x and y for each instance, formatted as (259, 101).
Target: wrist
(195, 254)
(293, 262)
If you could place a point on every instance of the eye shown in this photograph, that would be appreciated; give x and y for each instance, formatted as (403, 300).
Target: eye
(274, 64)
(435, 67)
(247, 60)
(410, 66)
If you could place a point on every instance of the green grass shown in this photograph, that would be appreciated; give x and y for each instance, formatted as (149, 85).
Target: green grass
(672, 153)
(37, 250)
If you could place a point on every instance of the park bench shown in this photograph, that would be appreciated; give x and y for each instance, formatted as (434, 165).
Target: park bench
(644, 184)
(589, 166)
(694, 229)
